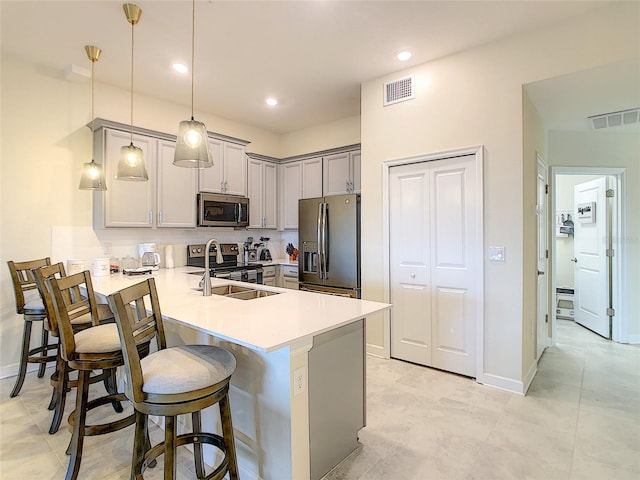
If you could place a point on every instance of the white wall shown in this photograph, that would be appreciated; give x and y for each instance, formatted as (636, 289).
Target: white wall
(475, 98)
(610, 149)
(335, 134)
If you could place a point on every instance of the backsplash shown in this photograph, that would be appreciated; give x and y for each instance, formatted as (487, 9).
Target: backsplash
(85, 243)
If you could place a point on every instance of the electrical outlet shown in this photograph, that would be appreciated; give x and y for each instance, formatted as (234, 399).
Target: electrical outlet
(299, 383)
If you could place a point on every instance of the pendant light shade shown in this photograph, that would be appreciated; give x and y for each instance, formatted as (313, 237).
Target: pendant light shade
(131, 165)
(192, 144)
(92, 177)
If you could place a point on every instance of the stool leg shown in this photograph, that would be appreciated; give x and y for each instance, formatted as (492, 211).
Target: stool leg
(45, 352)
(227, 433)
(24, 354)
(169, 448)
(60, 392)
(197, 447)
(77, 436)
(140, 443)
(111, 386)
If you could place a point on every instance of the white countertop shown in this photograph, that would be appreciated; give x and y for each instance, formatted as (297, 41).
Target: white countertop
(264, 324)
(279, 261)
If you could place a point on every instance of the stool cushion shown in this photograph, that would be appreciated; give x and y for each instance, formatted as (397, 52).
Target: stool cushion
(186, 368)
(100, 339)
(34, 307)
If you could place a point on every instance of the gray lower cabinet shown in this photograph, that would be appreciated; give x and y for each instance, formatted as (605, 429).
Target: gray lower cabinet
(337, 410)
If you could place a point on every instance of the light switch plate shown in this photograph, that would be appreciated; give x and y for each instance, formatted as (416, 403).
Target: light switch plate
(497, 254)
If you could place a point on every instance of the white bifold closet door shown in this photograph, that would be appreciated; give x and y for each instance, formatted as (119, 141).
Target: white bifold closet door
(433, 230)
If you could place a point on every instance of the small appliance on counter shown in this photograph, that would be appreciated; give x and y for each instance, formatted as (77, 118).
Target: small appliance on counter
(149, 256)
(265, 254)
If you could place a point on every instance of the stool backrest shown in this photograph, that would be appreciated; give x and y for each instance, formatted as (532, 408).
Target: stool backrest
(135, 326)
(40, 275)
(71, 302)
(23, 280)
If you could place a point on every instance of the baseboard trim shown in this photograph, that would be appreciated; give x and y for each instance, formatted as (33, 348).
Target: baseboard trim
(533, 369)
(375, 350)
(634, 339)
(502, 383)
(8, 371)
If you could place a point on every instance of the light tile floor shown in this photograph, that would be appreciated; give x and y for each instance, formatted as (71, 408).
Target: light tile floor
(579, 420)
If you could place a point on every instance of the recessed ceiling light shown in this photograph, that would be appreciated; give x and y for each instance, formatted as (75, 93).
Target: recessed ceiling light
(272, 102)
(180, 67)
(404, 55)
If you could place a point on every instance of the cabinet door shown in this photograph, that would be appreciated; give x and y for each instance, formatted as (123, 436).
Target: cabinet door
(356, 169)
(235, 169)
(211, 178)
(311, 178)
(176, 190)
(291, 193)
(270, 204)
(337, 174)
(255, 182)
(128, 203)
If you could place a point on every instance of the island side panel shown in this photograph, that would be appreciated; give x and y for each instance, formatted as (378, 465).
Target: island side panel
(337, 408)
(260, 398)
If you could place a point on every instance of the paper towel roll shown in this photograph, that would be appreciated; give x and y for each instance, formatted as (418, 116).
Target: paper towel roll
(168, 257)
(180, 255)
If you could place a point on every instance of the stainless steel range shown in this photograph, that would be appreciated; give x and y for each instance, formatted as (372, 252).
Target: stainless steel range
(230, 268)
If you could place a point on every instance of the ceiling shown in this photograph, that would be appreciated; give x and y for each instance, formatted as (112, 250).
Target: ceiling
(312, 55)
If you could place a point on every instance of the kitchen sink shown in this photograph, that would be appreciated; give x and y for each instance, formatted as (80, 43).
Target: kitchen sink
(240, 292)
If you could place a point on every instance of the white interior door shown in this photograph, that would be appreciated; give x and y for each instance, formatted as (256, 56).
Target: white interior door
(433, 229)
(591, 221)
(542, 329)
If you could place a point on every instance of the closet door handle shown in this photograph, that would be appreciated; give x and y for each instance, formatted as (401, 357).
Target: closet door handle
(540, 272)
(574, 260)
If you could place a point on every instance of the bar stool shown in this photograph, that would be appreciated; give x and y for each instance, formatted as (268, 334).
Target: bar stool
(97, 347)
(60, 378)
(30, 306)
(170, 382)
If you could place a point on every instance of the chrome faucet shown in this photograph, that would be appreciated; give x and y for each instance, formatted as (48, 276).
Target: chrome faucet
(206, 280)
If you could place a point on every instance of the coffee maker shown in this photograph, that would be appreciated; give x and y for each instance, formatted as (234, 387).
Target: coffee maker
(149, 256)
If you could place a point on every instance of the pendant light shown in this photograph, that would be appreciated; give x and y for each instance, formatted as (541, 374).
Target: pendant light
(192, 145)
(131, 165)
(92, 177)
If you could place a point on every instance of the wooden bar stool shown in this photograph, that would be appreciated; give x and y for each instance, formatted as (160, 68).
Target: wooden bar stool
(60, 378)
(96, 347)
(29, 305)
(170, 382)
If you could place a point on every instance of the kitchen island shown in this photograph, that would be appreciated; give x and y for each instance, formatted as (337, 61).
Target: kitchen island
(297, 396)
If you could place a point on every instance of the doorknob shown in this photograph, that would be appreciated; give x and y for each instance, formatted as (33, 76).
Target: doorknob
(540, 273)
(574, 260)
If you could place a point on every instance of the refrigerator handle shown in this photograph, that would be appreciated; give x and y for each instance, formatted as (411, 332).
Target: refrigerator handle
(319, 243)
(325, 255)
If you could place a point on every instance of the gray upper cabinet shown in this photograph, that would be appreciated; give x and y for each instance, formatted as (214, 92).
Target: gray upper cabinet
(341, 173)
(229, 172)
(167, 199)
(262, 182)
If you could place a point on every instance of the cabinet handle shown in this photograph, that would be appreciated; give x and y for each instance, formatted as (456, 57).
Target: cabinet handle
(159, 218)
(150, 217)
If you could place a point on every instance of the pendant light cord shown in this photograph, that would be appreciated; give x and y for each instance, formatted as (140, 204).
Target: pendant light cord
(193, 42)
(93, 65)
(132, 26)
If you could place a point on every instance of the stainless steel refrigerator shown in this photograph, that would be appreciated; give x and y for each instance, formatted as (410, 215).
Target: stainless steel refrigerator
(329, 236)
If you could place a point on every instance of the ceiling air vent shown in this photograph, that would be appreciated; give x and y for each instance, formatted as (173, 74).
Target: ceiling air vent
(615, 119)
(399, 90)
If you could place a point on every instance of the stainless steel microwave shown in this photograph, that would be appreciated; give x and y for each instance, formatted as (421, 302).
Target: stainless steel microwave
(222, 210)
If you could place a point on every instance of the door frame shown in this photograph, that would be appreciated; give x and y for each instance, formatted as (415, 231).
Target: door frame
(620, 329)
(541, 164)
(478, 152)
